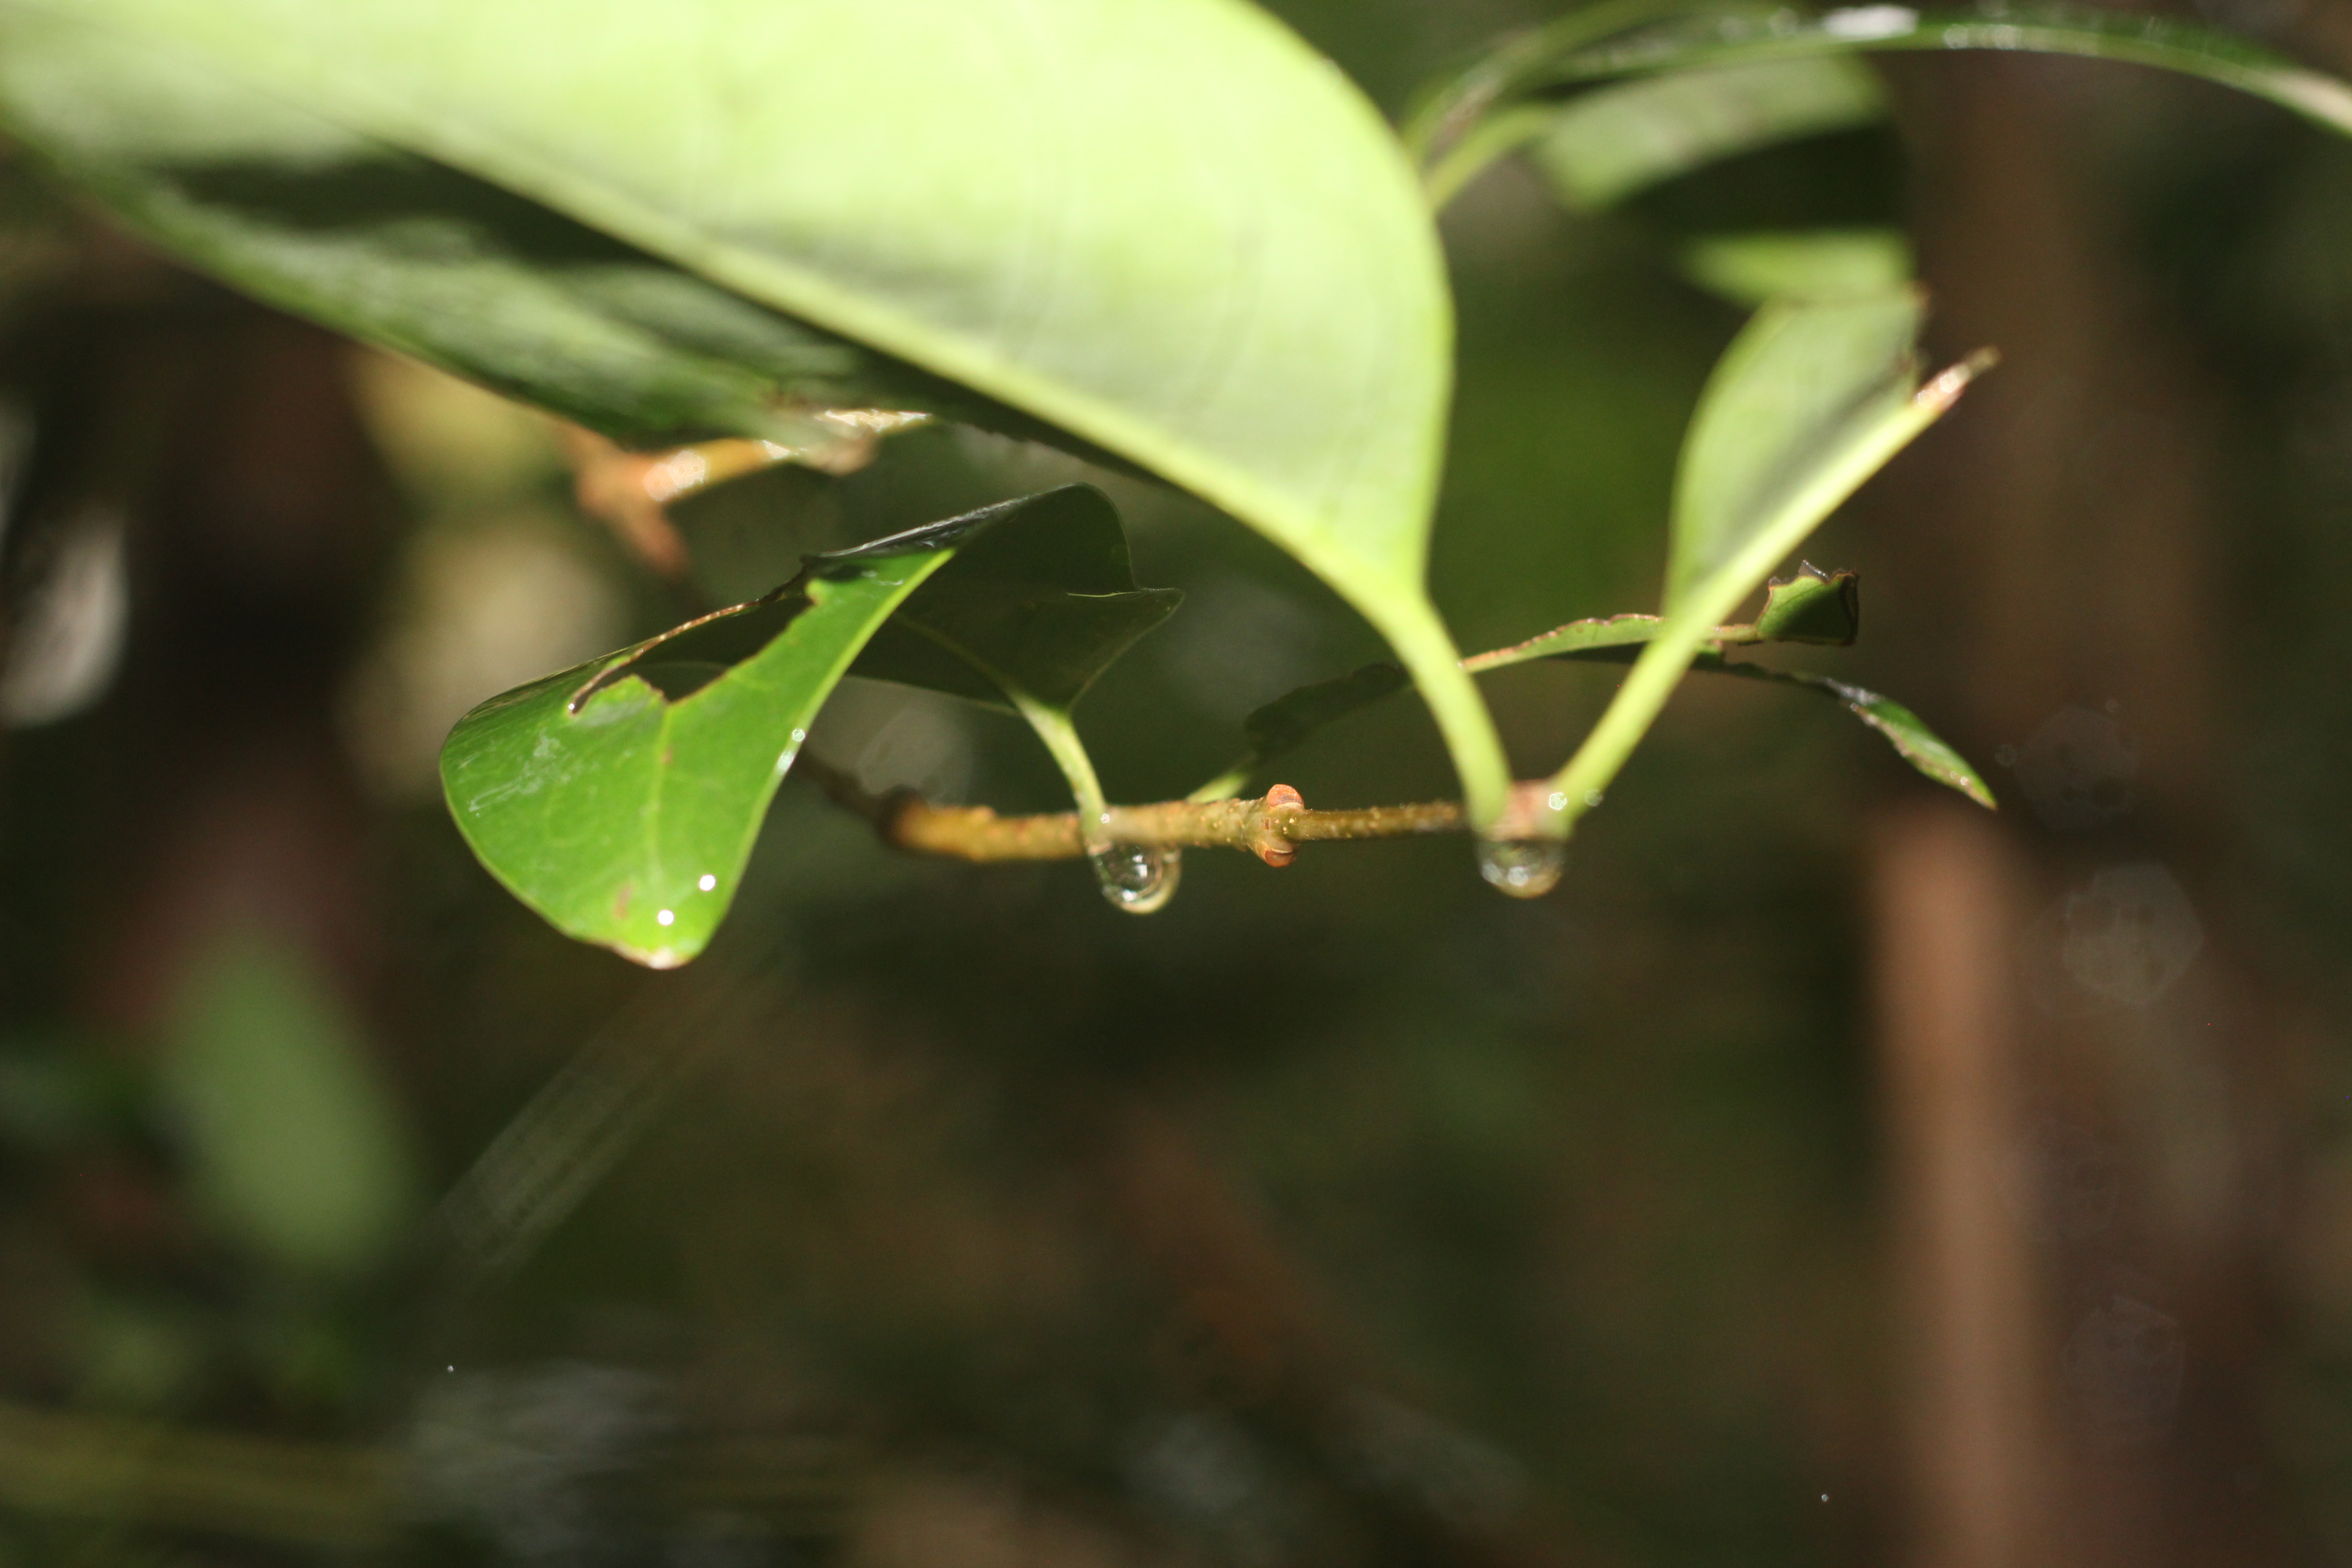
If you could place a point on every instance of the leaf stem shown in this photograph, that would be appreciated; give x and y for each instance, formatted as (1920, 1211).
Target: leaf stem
(1422, 645)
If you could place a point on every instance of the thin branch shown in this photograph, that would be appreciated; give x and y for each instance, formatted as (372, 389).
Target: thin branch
(631, 491)
(1272, 827)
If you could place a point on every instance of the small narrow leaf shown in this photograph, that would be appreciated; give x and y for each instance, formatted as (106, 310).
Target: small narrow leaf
(620, 800)
(1601, 148)
(1800, 264)
(1924, 749)
(1497, 105)
(1572, 639)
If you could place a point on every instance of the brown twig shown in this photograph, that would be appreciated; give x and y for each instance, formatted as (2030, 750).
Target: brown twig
(1271, 828)
(630, 490)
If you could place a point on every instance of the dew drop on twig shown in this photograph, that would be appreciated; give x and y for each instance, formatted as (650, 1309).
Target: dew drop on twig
(1523, 867)
(1137, 878)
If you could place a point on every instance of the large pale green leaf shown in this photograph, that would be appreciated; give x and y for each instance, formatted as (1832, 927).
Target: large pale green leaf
(318, 220)
(1164, 225)
(620, 800)
(1508, 99)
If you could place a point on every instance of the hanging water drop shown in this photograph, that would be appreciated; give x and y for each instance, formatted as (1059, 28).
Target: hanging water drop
(1523, 867)
(1137, 878)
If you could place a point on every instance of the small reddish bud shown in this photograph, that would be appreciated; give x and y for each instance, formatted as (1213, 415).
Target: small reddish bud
(1273, 848)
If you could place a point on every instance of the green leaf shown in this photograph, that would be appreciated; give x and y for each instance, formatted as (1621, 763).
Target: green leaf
(1170, 228)
(1496, 105)
(620, 800)
(1912, 740)
(1792, 390)
(1599, 149)
(1026, 619)
(296, 1141)
(404, 252)
(1801, 264)
(1812, 607)
(1811, 399)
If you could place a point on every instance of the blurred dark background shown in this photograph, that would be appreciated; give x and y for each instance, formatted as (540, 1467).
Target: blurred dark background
(1826, 1174)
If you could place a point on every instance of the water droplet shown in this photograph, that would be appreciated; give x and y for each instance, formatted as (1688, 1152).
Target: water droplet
(667, 916)
(1523, 867)
(1557, 801)
(1134, 877)
(1592, 799)
(708, 881)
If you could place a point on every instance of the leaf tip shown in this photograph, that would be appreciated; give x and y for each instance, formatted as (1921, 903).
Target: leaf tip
(1945, 387)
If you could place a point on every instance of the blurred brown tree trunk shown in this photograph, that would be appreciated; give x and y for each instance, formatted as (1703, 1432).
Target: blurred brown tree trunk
(2080, 1102)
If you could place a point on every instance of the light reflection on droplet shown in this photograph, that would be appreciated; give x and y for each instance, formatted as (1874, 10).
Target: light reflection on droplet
(667, 917)
(1523, 867)
(1137, 878)
(707, 882)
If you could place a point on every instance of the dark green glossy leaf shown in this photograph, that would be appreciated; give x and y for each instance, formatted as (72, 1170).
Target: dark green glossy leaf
(1043, 608)
(410, 254)
(1497, 105)
(620, 800)
(1168, 228)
